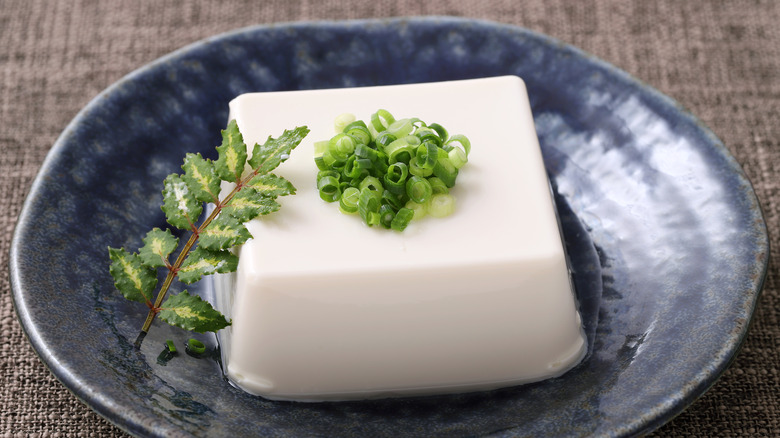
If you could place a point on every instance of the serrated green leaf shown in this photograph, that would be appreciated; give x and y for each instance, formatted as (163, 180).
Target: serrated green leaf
(158, 245)
(190, 312)
(200, 178)
(272, 186)
(232, 154)
(202, 261)
(267, 157)
(181, 208)
(223, 232)
(248, 204)
(135, 280)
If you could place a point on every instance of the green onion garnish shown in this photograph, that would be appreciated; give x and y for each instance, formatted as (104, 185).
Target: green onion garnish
(419, 210)
(342, 120)
(386, 215)
(329, 188)
(390, 171)
(395, 178)
(438, 187)
(195, 347)
(349, 200)
(441, 205)
(402, 219)
(368, 205)
(418, 189)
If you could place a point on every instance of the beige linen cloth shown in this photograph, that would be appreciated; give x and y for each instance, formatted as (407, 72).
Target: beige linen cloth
(719, 59)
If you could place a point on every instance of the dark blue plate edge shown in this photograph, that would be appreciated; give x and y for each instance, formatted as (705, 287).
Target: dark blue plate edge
(662, 414)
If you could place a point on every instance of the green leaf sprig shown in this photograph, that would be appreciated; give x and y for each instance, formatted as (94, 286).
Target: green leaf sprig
(208, 249)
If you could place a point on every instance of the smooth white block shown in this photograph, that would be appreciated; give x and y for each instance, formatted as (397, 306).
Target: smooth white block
(326, 308)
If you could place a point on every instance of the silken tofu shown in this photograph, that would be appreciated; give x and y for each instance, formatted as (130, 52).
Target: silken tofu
(327, 308)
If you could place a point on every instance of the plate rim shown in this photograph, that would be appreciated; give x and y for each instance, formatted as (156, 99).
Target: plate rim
(134, 424)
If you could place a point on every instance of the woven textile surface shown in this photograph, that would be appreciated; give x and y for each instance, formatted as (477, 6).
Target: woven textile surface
(719, 59)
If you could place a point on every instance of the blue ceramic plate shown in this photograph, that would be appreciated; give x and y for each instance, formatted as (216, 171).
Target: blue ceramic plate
(667, 240)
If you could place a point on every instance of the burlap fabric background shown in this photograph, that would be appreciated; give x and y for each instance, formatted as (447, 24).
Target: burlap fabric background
(718, 58)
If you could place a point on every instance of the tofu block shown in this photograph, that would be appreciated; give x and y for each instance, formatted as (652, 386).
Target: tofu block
(327, 308)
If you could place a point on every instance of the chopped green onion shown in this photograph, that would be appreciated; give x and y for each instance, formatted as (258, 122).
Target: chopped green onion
(195, 347)
(441, 205)
(368, 206)
(380, 120)
(170, 346)
(348, 203)
(417, 123)
(443, 134)
(427, 154)
(342, 120)
(330, 161)
(401, 128)
(328, 172)
(402, 219)
(445, 171)
(438, 186)
(341, 146)
(385, 138)
(416, 170)
(372, 184)
(320, 162)
(359, 132)
(461, 139)
(356, 167)
(364, 163)
(457, 157)
(386, 215)
(428, 134)
(397, 201)
(373, 218)
(395, 178)
(418, 189)
(365, 151)
(402, 149)
(320, 147)
(418, 209)
(329, 189)
(380, 164)
(390, 171)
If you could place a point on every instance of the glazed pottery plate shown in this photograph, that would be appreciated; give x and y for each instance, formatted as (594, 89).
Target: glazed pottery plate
(667, 241)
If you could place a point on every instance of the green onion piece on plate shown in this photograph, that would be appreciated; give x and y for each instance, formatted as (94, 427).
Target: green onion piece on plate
(195, 347)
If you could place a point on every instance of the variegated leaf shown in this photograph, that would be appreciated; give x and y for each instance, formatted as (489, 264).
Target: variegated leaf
(267, 157)
(190, 312)
(223, 232)
(200, 178)
(158, 245)
(232, 154)
(248, 204)
(202, 262)
(181, 208)
(272, 186)
(135, 280)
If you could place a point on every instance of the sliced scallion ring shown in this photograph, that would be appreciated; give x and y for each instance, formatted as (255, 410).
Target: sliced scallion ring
(441, 205)
(195, 347)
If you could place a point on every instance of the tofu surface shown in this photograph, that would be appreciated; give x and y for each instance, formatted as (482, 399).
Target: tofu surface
(327, 308)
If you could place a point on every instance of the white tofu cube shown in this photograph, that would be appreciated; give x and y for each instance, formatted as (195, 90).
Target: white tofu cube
(327, 308)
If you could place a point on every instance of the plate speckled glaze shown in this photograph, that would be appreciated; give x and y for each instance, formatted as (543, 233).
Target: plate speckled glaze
(668, 244)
